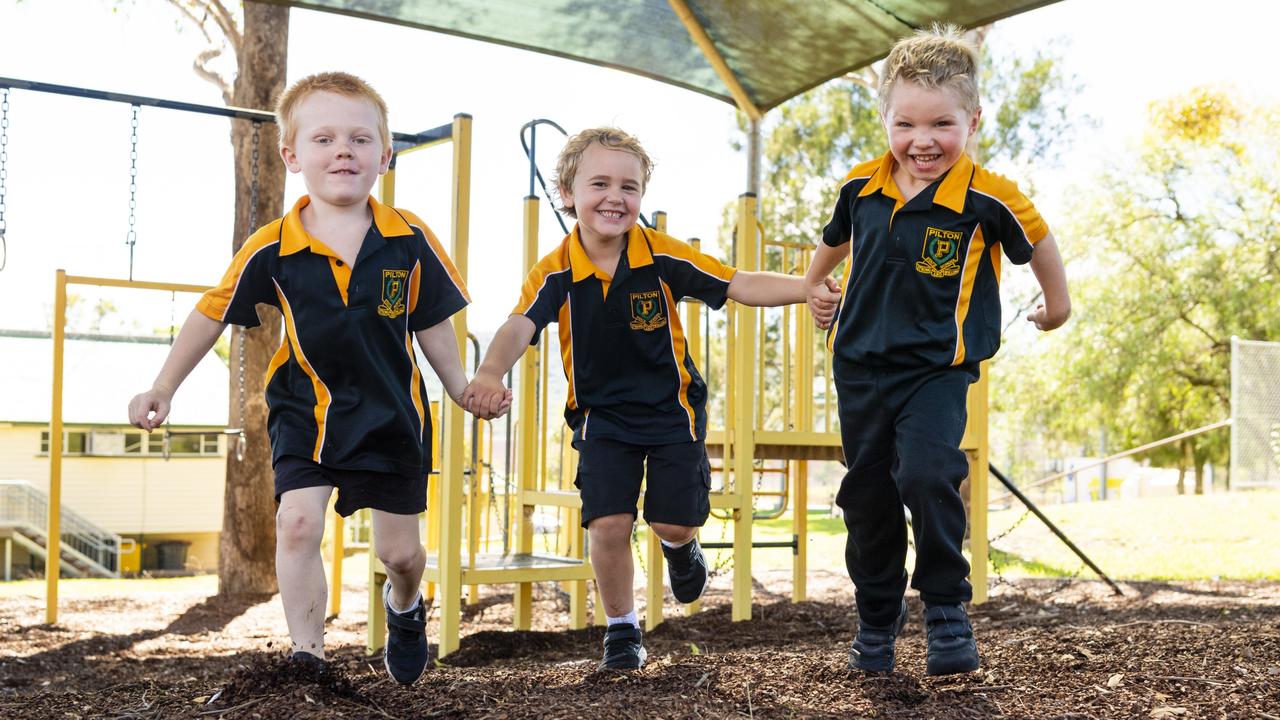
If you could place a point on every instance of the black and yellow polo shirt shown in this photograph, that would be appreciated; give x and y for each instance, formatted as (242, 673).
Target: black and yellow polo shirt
(922, 283)
(344, 388)
(630, 374)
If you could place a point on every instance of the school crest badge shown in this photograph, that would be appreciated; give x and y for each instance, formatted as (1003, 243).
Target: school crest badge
(940, 255)
(646, 311)
(394, 283)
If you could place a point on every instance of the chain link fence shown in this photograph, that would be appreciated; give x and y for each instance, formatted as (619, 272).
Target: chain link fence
(1255, 414)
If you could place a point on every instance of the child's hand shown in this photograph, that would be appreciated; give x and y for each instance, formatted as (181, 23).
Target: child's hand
(1045, 320)
(486, 397)
(823, 299)
(149, 409)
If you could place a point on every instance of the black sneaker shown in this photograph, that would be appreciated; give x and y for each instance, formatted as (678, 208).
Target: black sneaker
(622, 648)
(687, 568)
(952, 648)
(304, 665)
(873, 647)
(406, 652)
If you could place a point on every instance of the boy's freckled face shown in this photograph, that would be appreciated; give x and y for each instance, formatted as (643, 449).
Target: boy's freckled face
(606, 192)
(337, 148)
(928, 129)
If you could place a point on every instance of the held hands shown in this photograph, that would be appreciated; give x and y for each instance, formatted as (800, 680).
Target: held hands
(1044, 320)
(486, 397)
(823, 299)
(148, 410)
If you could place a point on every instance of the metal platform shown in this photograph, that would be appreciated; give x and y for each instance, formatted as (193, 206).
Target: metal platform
(781, 445)
(494, 568)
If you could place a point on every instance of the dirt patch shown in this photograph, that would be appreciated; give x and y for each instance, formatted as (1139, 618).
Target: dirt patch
(1165, 650)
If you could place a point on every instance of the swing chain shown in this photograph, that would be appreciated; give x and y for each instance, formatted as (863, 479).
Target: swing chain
(4, 170)
(132, 238)
(253, 174)
(240, 440)
(244, 333)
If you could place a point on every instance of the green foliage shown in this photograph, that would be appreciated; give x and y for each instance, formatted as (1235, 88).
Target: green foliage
(1182, 254)
(1026, 102)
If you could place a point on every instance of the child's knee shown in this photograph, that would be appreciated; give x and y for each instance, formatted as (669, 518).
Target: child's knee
(612, 528)
(297, 528)
(402, 560)
(676, 534)
(930, 470)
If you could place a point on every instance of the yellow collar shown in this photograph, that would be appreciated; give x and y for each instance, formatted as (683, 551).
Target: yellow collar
(951, 191)
(638, 254)
(294, 237)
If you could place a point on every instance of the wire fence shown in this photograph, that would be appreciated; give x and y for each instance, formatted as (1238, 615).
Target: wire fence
(1255, 411)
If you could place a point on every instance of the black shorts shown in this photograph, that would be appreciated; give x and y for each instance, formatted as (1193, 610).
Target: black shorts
(679, 481)
(390, 492)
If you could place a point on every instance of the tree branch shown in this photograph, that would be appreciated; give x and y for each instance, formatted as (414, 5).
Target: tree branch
(1182, 315)
(200, 66)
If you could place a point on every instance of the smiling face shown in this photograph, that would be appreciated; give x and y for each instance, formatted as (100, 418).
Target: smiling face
(928, 129)
(605, 193)
(337, 147)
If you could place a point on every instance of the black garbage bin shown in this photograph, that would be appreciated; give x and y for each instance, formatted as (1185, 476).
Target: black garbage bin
(172, 554)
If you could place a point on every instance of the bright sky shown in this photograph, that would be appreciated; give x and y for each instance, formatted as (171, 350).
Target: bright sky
(68, 171)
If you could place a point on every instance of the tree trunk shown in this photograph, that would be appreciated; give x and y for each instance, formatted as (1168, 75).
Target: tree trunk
(1182, 467)
(246, 562)
(1199, 477)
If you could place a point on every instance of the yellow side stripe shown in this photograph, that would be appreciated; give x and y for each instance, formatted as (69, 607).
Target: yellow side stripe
(566, 351)
(323, 398)
(413, 383)
(972, 261)
(675, 332)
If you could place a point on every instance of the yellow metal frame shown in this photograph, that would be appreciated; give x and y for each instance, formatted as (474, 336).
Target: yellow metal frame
(53, 549)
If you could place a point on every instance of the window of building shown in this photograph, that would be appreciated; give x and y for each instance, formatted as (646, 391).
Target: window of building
(117, 443)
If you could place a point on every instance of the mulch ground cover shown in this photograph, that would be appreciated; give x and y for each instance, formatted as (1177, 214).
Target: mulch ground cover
(1164, 650)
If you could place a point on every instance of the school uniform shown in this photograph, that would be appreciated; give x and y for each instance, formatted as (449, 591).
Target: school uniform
(634, 394)
(921, 310)
(345, 394)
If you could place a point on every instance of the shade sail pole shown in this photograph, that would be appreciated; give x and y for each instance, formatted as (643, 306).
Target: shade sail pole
(754, 148)
(713, 56)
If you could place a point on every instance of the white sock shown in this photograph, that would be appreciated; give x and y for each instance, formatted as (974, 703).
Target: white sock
(628, 619)
(417, 600)
(674, 546)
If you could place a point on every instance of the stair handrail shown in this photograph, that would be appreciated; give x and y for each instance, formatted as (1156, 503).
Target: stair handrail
(22, 503)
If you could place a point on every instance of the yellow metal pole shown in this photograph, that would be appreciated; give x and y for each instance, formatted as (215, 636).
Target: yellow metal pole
(787, 369)
(53, 538)
(543, 383)
(713, 56)
(653, 544)
(375, 627)
(335, 574)
(577, 588)
(978, 457)
(527, 435)
(803, 385)
(473, 512)
(453, 424)
(744, 424)
(653, 584)
(694, 335)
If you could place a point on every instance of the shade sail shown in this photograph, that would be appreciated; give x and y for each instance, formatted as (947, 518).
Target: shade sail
(772, 49)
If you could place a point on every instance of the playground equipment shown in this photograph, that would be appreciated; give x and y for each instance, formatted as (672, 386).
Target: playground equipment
(740, 444)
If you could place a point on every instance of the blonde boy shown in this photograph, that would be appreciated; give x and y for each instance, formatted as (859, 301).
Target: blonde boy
(920, 227)
(355, 281)
(635, 397)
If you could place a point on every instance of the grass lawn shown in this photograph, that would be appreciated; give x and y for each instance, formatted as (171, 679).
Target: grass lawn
(1228, 536)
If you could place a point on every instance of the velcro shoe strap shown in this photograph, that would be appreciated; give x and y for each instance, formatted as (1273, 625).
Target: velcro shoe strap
(950, 629)
(401, 622)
